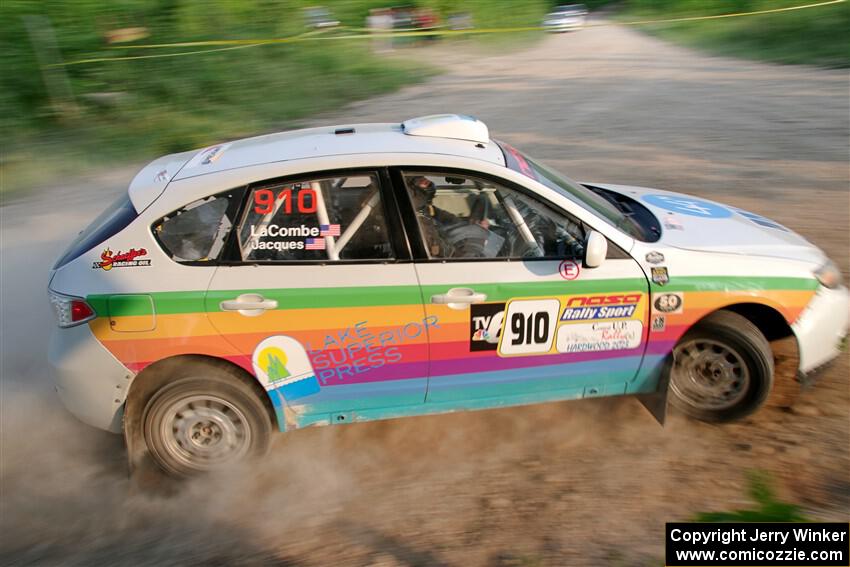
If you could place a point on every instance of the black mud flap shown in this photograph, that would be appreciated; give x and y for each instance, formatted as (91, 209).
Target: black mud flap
(656, 402)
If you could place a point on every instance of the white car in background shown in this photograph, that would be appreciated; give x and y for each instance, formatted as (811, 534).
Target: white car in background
(565, 18)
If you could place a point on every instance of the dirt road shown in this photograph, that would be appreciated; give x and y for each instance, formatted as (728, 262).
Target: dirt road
(580, 483)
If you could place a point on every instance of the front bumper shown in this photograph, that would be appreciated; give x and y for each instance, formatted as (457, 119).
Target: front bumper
(822, 327)
(89, 380)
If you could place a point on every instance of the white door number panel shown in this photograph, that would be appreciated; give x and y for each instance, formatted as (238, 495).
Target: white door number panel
(529, 326)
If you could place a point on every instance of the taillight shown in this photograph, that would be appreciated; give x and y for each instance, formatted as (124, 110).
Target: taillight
(69, 310)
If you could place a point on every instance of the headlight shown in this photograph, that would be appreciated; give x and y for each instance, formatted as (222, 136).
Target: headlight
(829, 275)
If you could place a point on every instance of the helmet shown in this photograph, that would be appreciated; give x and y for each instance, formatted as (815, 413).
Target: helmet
(422, 190)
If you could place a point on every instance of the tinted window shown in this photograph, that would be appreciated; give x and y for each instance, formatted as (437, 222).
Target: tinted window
(320, 219)
(111, 221)
(198, 231)
(610, 210)
(467, 217)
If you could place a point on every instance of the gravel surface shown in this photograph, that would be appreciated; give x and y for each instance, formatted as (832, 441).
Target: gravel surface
(578, 483)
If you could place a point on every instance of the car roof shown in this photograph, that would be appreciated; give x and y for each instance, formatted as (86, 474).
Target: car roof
(445, 134)
(336, 141)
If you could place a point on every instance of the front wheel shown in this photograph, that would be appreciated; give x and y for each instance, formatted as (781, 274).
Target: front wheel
(204, 421)
(722, 369)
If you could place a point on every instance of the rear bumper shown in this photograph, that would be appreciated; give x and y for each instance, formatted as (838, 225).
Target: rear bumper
(91, 383)
(822, 327)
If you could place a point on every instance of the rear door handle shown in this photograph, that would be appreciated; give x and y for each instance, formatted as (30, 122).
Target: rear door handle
(459, 298)
(249, 304)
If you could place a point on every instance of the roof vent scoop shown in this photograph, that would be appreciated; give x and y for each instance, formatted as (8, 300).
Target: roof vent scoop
(454, 126)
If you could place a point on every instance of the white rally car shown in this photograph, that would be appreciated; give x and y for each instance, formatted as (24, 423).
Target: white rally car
(341, 274)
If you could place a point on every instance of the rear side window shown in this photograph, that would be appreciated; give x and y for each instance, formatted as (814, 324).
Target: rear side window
(198, 231)
(319, 219)
(109, 223)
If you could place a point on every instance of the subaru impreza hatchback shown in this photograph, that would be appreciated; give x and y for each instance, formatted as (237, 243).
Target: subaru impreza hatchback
(343, 274)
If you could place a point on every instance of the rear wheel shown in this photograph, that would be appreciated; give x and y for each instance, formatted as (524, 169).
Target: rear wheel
(205, 420)
(722, 369)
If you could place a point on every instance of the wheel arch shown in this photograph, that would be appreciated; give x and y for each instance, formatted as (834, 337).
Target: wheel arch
(783, 343)
(156, 375)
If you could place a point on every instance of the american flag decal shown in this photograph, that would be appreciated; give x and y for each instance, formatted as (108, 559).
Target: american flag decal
(314, 244)
(328, 230)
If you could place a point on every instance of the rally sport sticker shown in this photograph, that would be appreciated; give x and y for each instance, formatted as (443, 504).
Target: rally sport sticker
(583, 308)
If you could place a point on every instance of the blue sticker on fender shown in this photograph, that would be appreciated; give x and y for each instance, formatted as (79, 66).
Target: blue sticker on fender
(688, 206)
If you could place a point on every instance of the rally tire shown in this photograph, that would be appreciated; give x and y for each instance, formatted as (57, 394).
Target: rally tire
(723, 369)
(204, 420)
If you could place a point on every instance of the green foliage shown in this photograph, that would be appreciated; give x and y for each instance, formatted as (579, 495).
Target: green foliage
(768, 508)
(815, 35)
(139, 109)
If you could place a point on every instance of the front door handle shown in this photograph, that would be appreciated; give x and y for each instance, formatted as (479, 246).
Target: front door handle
(249, 304)
(459, 298)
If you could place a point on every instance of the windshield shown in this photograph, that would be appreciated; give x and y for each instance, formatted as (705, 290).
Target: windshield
(575, 192)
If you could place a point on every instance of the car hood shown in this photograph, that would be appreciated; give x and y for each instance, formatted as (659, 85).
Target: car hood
(693, 223)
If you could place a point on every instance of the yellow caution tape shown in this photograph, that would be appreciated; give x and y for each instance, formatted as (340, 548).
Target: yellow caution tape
(758, 13)
(366, 33)
(128, 58)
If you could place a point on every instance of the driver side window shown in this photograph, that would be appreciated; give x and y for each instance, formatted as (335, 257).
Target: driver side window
(461, 216)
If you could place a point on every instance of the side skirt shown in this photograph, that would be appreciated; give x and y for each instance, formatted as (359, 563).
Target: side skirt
(430, 408)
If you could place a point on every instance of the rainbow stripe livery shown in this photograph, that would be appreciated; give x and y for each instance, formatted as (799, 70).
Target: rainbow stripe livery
(356, 361)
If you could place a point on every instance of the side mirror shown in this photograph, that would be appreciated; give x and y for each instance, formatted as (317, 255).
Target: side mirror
(595, 249)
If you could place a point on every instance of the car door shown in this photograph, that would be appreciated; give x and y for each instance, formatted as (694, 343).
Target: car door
(519, 317)
(320, 297)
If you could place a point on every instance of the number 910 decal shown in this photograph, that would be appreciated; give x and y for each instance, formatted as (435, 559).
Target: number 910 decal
(529, 326)
(305, 200)
(571, 324)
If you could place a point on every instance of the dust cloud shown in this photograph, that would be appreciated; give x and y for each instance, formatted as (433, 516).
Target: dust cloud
(67, 498)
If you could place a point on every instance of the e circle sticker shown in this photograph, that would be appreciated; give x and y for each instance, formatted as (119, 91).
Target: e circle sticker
(569, 270)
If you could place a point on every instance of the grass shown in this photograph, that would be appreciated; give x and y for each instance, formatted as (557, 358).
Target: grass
(110, 113)
(816, 36)
(768, 508)
(223, 96)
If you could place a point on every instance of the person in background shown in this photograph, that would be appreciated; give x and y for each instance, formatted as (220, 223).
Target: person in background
(380, 21)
